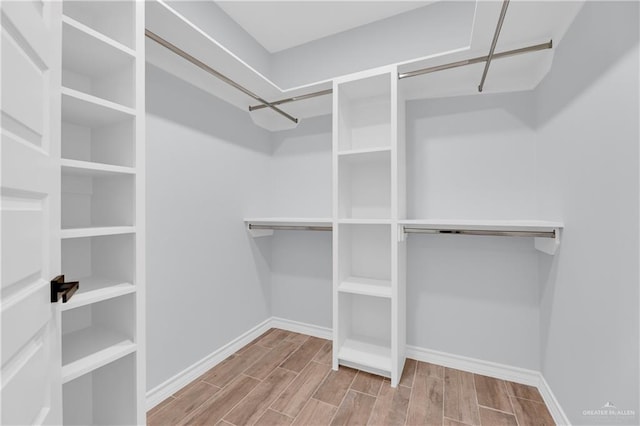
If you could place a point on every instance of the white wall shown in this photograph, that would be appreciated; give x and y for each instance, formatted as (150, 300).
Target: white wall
(301, 285)
(300, 169)
(473, 157)
(588, 151)
(207, 168)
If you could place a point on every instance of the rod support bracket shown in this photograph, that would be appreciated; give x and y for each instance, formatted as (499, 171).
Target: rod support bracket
(548, 245)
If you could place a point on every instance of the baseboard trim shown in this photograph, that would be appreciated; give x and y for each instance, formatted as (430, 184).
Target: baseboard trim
(473, 365)
(553, 405)
(300, 327)
(493, 369)
(186, 376)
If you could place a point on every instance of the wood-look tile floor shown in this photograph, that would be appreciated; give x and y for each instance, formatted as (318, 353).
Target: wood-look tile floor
(285, 378)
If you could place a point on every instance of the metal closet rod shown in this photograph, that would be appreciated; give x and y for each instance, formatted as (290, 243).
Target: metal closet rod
(496, 34)
(476, 60)
(175, 49)
(291, 227)
(479, 59)
(413, 230)
(539, 234)
(294, 99)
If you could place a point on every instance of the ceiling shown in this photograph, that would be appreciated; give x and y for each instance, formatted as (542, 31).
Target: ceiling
(280, 25)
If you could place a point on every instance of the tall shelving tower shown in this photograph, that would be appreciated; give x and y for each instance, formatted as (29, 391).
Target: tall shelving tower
(102, 226)
(368, 200)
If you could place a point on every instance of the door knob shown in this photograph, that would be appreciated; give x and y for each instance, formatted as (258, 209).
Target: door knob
(61, 288)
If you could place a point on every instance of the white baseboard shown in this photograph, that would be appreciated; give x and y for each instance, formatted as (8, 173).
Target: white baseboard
(300, 327)
(553, 405)
(186, 376)
(493, 369)
(472, 365)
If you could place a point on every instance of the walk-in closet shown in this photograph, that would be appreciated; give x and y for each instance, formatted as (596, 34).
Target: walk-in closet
(351, 212)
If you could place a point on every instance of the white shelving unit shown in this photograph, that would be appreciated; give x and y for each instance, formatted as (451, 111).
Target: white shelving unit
(367, 201)
(102, 221)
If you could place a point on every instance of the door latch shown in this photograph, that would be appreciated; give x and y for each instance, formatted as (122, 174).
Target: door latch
(61, 288)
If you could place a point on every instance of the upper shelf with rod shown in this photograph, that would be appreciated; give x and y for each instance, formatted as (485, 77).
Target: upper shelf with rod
(261, 227)
(546, 234)
(526, 25)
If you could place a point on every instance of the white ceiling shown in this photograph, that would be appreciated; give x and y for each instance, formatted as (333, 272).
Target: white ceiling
(279, 25)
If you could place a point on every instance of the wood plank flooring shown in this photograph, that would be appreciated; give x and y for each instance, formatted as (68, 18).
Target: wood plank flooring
(285, 378)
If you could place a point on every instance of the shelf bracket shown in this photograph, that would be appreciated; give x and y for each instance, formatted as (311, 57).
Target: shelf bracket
(548, 245)
(402, 235)
(258, 232)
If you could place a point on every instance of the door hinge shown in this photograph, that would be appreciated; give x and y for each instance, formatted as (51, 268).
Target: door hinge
(61, 288)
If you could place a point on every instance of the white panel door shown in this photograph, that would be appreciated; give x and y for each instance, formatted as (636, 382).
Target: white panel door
(30, 212)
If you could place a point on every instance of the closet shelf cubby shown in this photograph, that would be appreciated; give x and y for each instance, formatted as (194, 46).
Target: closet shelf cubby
(95, 66)
(106, 51)
(364, 334)
(90, 348)
(105, 396)
(95, 289)
(364, 113)
(90, 201)
(366, 352)
(88, 110)
(364, 186)
(111, 20)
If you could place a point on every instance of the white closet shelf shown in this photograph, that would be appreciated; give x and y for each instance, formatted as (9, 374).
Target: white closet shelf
(90, 348)
(88, 168)
(96, 289)
(366, 352)
(351, 221)
(485, 225)
(89, 52)
(365, 154)
(546, 245)
(96, 231)
(366, 286)
(87, 110)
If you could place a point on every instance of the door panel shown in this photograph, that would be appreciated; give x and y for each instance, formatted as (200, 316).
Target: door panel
(30, 212)
(22, 226)
(23, 316)
(22, 379)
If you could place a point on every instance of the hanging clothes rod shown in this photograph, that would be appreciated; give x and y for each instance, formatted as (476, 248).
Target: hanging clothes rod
(496, 34)
(290, 227)
(294, 99)
(489, 233)
(175, 49)
(476, 60)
